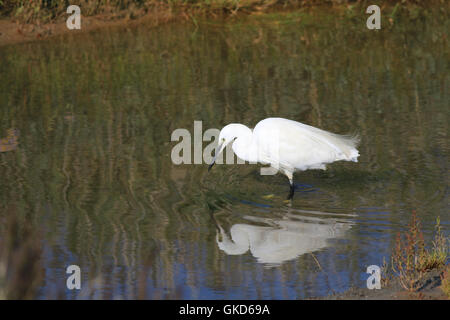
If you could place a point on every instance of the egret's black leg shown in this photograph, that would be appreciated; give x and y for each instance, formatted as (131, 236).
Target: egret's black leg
(291, 192)
(290, 175)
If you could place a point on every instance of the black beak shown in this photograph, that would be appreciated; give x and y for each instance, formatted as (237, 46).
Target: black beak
(218, 151)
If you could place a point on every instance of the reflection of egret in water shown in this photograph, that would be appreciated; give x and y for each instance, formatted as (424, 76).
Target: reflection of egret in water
(284, 238)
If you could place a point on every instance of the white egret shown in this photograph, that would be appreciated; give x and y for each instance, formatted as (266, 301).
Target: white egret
(287, 146)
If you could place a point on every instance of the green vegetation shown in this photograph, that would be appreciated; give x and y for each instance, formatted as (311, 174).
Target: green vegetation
(49, 10)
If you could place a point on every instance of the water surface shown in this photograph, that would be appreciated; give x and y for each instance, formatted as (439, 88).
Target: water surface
(86, 121)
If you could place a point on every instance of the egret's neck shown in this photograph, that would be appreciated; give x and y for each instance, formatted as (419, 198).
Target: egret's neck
(239, 243)
(243, 146)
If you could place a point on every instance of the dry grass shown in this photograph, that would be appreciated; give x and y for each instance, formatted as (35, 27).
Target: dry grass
(48, 10)
(411, 258)
(43, 11)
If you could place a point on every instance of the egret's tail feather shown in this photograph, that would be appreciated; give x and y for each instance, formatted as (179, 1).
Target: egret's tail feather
(352, 140)
(347, 144)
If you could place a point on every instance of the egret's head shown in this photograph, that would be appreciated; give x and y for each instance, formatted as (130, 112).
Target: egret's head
(228, 134)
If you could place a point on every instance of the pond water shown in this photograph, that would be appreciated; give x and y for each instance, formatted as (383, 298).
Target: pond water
(85, 153)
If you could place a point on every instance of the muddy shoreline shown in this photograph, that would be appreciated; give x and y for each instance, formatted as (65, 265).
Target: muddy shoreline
(14, 31)
(429, 289)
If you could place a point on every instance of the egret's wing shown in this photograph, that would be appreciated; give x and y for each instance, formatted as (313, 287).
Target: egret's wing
(300, 146)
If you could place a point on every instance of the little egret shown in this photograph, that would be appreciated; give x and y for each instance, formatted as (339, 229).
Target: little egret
(287, 146)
